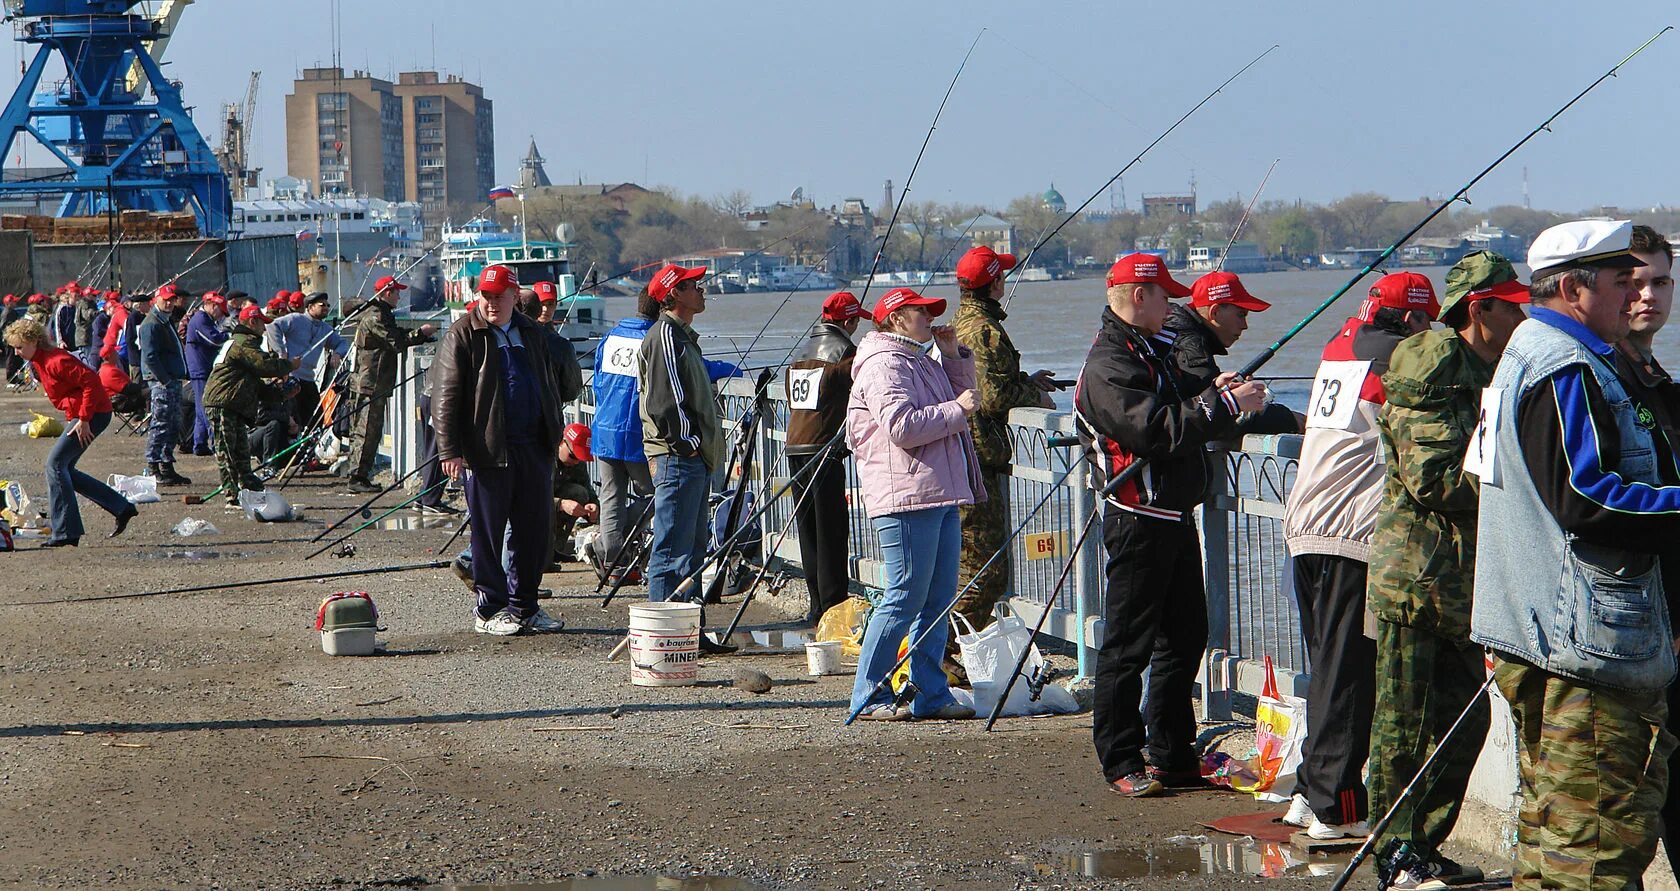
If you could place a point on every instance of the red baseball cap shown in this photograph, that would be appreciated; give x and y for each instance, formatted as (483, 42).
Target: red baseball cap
(547, 292)
(1146, 269)
(666, 280)
(496, 279)
(388, 283)
(37, 298)
(275, 305)
(1402, 290)
(981, 266)
(168, 290)
(842, 306)
(282, 294)
(214, 299)
(577, 436)
(901, 297)
(1224, 287)
(296, 300)
(251, 312)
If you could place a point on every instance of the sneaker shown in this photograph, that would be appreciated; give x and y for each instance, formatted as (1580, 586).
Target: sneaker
(1418, 875)
(543, 623)
(1330, 831)
(441, 508)
(1138, 784)
(885, 711)
(502, 624)
(362, 487)
(953, 711)
(463, 571)
(1178, 779)
(1300, 813)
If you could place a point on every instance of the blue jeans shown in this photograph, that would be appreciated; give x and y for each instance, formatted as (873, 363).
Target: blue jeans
(201, 438)
(65, 482)
(680, 488)
(922, 549)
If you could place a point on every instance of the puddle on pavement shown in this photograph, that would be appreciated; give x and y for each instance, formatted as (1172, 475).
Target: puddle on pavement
(409, 524)
(622, 883)
(1199, 855)
(193, 556)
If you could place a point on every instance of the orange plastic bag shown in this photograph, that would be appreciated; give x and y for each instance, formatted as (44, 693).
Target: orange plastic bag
(1280, 733)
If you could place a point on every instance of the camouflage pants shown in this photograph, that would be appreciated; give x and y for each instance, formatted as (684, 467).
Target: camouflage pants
(984, 528)
(367, 428)
(165, 427)
(1594, 769)
(1424, 681)
(232, 437)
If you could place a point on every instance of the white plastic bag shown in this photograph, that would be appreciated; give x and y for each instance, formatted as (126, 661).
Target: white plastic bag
(137, 489)
(265, 506)
(989, 656)
(190, 526)
(1279, 738)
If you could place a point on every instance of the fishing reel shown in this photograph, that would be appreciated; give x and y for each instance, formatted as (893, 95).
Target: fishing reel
(1041, 676)
(778, 582)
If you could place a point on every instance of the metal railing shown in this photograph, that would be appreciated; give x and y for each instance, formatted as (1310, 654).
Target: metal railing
(1251, 605)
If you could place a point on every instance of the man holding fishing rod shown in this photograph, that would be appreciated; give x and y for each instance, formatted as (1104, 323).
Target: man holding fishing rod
(1001, 385)
(1133, 403)
(378, 341)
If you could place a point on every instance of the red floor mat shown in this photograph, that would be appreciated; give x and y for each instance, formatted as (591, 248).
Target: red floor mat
(1266, 826)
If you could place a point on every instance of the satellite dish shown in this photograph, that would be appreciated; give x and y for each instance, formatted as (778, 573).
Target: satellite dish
(798, 194)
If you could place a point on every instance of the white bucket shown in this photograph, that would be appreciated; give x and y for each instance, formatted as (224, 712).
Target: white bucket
(348, 642)
(664, 644)
(822, 657)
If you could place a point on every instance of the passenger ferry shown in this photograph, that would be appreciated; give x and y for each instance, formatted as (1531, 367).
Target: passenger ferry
(478, 243)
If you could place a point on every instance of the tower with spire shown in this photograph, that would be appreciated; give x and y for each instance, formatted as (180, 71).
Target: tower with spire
(531, 172)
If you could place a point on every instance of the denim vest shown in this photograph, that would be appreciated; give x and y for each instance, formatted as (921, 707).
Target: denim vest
(1584, 611)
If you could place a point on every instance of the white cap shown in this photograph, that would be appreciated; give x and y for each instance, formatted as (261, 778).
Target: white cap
(1583, 244)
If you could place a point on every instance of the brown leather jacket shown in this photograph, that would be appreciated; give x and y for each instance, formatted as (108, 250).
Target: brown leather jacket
(467, 396)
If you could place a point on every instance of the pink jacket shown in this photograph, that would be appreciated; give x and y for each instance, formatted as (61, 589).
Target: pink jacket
(907, 434)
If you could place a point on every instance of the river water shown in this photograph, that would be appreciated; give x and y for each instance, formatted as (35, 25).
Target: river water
(1052, 323)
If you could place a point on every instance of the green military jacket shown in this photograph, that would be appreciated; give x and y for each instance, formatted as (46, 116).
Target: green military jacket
(236, 383)
(1000, 383)
(378, 341)
(572, 481)
(1423, 552)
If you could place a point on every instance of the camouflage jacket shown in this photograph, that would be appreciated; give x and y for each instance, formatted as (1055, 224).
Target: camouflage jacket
(1000, 383)
(1423, 552)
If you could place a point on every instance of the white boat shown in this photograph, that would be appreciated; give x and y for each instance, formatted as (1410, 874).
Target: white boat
(479, 243)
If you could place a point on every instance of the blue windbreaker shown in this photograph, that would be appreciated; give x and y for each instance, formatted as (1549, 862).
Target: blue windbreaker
(616, 430)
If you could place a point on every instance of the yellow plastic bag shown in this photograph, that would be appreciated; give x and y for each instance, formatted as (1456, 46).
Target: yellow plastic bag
(844, 622)
(902, 675)
(44, 427)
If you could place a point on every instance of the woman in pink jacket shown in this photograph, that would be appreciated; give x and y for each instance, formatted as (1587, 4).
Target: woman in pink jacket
(907, 425)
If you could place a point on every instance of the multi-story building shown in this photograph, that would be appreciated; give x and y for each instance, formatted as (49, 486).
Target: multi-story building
(423, 138)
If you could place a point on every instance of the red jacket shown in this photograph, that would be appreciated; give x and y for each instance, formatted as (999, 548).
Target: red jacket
(72, 387)
(119, 318)
(114, 378)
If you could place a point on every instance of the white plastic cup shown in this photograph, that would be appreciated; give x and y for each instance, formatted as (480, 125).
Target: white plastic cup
(822, 657)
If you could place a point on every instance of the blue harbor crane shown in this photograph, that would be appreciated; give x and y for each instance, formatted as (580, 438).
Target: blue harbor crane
(124, 151)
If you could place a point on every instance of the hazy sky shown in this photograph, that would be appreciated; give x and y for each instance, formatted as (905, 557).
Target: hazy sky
(1408, 99)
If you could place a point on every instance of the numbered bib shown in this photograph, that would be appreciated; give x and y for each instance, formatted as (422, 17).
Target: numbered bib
(618, 355)
(1335, 394)
(1481, 457)
(802, 387)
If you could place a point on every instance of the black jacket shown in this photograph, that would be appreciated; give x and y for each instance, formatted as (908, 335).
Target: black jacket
(1194, 346)
(468, 411)
(829, 352)
(1133, 401)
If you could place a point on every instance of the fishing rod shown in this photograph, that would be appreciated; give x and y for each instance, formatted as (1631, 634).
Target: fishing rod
(1094, 195)
(1138, 465)
(614, 564)
(318, 576)
(903, 195)
(362, 509)
(764, 565)
(1237, 229)
(369, 522)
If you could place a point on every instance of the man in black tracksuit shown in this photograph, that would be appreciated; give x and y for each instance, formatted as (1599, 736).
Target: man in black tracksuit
(819, 383)
(1205, 328)
(1134, 404)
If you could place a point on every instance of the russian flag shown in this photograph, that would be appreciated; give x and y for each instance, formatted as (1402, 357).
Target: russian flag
(501, 192)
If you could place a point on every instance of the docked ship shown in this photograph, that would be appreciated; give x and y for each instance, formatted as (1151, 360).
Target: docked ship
(479, 243)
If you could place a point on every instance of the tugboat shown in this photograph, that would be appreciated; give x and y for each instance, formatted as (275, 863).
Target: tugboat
(479, 242)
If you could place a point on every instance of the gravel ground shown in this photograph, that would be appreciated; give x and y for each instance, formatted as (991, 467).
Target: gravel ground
(204, 741)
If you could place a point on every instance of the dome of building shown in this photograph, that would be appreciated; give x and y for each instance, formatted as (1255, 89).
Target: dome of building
(1054, 200)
